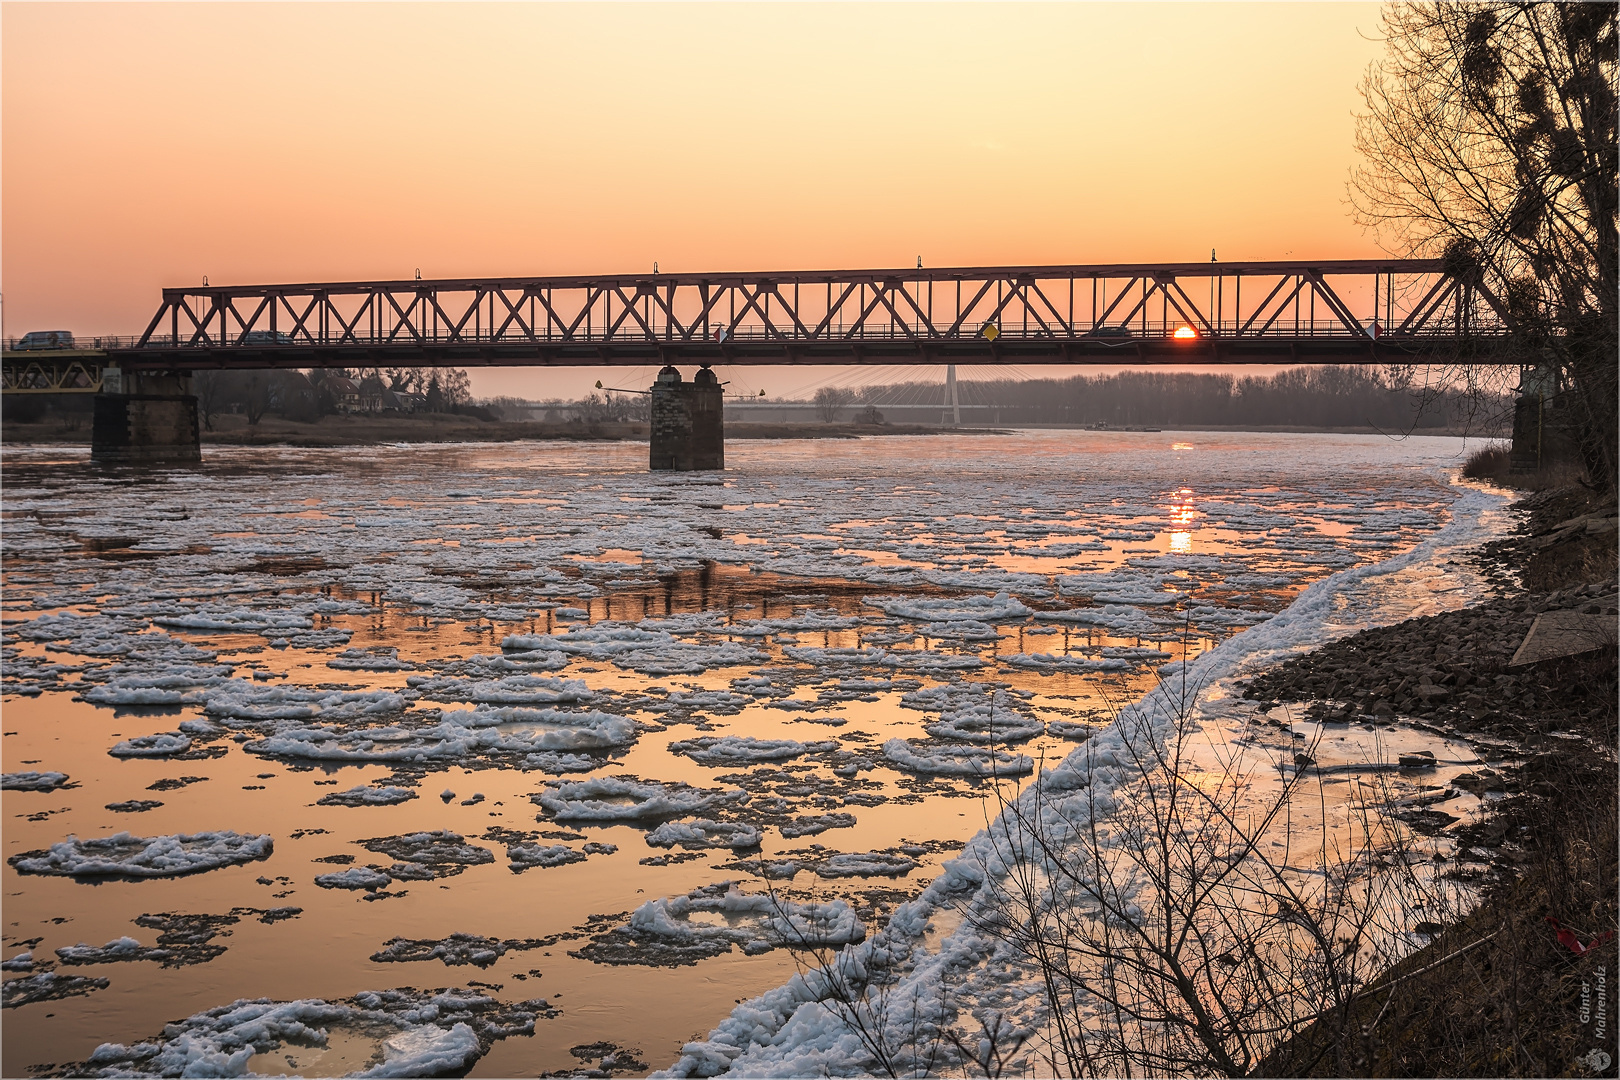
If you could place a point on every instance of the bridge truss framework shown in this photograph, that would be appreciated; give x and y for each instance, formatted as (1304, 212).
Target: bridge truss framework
(1357, 311)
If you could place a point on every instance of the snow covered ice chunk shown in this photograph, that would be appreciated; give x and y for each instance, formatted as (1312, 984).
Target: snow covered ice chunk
(981, 609)
(745, 750)
(32, 781)
(973, 712)
(245, 621)
(124, 855)
(1054, 663)
(414, 1034)
(511, 690)
(865, 864)
(367, 796)
(376, 658)
(650, 652)
(703, 833)
(751, 918)
(1070, 729)
(528, 856)
(163, 744)
(808, 622)
(1126, 586)
(619, 798)
(121, 949)
(1122, 619)
(550, 761)
(960, 630)
(355, 877)
(812, 824)
(239, 700)
(935, 760)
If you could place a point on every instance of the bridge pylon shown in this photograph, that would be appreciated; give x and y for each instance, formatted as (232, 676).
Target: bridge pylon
(687, 432)
(145, 417)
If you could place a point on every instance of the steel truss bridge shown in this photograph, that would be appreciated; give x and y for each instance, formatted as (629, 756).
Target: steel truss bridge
(1347, 311)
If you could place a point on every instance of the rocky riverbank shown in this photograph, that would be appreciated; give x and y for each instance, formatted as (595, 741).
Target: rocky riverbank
(1502, 992)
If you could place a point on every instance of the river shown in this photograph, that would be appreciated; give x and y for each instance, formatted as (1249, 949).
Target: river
(533, 694)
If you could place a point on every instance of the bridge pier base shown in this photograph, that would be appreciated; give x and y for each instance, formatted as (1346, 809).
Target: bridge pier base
(1541, 426)
(688, 423)
(143, 417)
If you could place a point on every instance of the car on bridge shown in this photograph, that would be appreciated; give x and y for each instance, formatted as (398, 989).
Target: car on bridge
(39, 340)
(265, 337)
(1110, 333)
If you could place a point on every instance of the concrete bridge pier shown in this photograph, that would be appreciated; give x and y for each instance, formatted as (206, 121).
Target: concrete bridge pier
(688, 422)
(141, 417)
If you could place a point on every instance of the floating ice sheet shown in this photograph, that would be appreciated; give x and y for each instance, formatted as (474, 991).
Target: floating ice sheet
(125, 855)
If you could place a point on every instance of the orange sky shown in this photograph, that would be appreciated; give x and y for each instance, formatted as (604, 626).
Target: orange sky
(144, 145)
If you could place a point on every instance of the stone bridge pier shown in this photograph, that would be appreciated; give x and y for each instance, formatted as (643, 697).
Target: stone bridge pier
(688, 422)
(145, 417)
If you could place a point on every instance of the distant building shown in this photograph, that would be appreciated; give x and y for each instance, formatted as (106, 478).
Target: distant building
(344, 393)
(403, 401)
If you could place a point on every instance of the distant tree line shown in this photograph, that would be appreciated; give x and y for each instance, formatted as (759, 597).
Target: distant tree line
(308, 395)
(1389, 398)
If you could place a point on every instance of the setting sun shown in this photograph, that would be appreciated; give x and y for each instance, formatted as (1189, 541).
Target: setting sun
(1185, 333)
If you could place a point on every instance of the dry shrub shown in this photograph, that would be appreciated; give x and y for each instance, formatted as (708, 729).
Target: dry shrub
(1487, 463)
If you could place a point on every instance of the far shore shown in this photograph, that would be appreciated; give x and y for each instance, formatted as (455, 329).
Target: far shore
(233, 430)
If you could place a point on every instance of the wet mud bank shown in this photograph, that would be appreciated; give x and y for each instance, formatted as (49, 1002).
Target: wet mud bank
(1506, 988)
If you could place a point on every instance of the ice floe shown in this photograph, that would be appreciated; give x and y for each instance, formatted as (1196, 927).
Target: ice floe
(528, 856)
(951, 609)
(703, 833)
(939, 760)
(865, 864)
(47, 986)
(973, 712)
(510, 690)
(663, 932)
(125, 855)
(367, 796)
(453, 951)
(621, 798)
(434, 853)
(163, 744)
(32, 781)
(745, 750)
(414, 1033)
(1064, 663)
(121, 949)
(812, 824)
(355, 877)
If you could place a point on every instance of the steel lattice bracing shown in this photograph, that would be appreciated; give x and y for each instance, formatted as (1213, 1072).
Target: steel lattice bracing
(1271, 312)
(53, 372)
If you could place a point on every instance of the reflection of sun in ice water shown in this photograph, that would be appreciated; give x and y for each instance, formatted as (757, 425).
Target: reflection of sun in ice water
(1182, 514)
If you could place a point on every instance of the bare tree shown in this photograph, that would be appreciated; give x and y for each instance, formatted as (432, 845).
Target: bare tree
(1489, 140)
(209, 386)
(832, 400)
(253, 394)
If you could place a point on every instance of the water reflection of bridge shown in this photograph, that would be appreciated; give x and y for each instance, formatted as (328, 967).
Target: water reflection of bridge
(1359, 312)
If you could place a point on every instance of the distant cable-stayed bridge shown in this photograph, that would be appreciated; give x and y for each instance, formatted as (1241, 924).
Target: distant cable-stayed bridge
(1345, 311)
